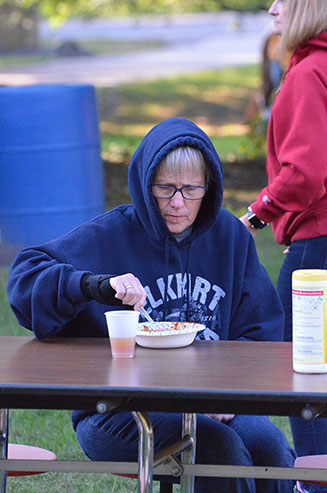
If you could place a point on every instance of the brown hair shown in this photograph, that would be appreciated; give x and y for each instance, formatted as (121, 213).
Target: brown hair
(305, 19)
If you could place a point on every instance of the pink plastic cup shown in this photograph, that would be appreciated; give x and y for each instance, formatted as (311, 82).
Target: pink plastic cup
(122, 327)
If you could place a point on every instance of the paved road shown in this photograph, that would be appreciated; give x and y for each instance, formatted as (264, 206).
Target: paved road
(196, 42)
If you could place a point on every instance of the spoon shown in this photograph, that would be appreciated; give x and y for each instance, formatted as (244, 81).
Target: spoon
(146, 315)
(155, 326)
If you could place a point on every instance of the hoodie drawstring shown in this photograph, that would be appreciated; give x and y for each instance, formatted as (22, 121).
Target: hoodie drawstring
(188, 281)
(166, 276)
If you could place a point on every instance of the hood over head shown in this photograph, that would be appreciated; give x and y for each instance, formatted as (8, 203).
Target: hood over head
(162, 139)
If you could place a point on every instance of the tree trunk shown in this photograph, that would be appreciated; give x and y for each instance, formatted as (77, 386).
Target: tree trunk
(19, 28)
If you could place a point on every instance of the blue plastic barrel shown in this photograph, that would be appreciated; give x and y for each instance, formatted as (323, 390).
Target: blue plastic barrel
(51, 176)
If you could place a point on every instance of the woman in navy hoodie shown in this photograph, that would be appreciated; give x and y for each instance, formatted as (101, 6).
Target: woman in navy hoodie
(179, 253)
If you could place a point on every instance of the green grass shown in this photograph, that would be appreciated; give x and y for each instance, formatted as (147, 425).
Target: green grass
(118, 47)
(215, 99)
(270, 253)
(92, 47)
(7, 61)
(121, 145)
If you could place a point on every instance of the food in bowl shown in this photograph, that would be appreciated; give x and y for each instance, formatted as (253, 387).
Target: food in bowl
(167, 334)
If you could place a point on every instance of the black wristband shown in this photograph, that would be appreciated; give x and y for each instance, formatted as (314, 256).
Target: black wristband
(97, 287)
(85, 287)
(255, 221)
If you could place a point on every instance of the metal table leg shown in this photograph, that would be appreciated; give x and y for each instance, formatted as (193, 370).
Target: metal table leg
(4, 422)
(145, 451)
(188, 457)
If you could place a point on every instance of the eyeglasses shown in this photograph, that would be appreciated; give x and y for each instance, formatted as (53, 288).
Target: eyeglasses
(188, 193)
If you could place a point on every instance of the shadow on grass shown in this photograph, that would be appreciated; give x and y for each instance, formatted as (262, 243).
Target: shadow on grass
(215, 97)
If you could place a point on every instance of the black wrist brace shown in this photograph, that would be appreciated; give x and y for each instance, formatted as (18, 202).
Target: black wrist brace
(97, 287)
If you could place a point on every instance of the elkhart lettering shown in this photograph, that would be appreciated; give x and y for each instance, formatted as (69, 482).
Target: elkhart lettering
(200, 305)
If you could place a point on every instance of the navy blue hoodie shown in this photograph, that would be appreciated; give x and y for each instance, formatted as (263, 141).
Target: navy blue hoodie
(212, 276)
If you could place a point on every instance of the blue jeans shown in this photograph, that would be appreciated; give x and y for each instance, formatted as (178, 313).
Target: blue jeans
(310, 437)
(246, 440)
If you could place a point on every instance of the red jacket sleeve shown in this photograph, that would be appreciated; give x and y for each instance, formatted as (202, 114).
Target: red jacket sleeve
(297, 146)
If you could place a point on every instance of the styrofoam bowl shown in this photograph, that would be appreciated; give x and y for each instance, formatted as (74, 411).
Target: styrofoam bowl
(164, 335)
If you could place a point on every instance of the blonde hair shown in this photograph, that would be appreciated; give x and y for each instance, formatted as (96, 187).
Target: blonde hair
(305, 19)
(185, 158)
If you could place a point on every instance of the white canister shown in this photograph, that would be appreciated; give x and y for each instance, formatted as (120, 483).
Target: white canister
(309, 308)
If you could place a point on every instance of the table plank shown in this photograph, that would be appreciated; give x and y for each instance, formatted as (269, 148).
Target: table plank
(206, 376)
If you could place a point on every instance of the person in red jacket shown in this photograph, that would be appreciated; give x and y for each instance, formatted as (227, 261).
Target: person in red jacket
(295, 200)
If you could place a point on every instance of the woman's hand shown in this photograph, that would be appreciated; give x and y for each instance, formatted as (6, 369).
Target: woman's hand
(244, 219)
(223, 418)
(129, 290)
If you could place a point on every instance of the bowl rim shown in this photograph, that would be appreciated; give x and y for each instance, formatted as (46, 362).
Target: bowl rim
(196, 327)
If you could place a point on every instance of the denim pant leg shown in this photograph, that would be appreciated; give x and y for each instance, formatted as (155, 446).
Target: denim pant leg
(303, 254)
(310, 438)
(114, 437)
(268, 446)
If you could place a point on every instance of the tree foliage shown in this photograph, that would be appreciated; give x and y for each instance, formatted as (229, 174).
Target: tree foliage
(60, 10)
